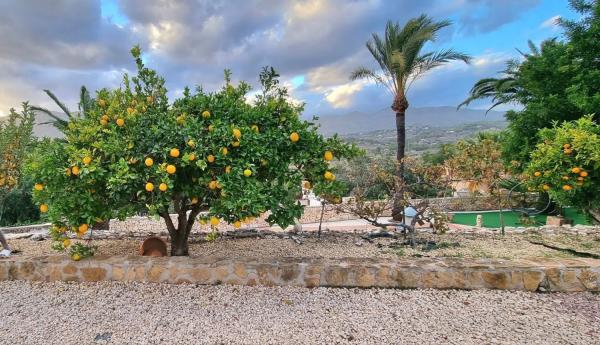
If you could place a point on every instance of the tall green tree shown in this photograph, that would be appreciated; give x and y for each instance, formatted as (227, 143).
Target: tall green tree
(399, 54)
(556, 82)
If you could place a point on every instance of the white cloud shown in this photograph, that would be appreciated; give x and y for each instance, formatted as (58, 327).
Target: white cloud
(550, 22)
(342, 96)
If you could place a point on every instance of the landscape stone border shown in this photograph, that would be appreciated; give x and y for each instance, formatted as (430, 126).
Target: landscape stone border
(552, 275)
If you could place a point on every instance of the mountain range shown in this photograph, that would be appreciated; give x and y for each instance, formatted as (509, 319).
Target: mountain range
(362, 122)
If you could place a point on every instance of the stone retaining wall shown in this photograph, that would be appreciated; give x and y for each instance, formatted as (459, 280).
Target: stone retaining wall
(542, 275)
(25, 228)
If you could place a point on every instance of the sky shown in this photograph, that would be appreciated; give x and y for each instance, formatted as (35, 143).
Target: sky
(313, 44)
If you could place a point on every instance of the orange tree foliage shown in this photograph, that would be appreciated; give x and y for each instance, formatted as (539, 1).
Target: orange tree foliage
(566, 164)
(216, 156)
(478, 161)
(15, 140)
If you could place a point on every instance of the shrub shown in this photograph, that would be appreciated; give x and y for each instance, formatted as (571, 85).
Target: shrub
(16, 141)
(216, 156)
(566, 164)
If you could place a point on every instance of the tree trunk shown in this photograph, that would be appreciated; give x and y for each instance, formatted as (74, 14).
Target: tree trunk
(400, 105)
(179, 236)
(179, 244)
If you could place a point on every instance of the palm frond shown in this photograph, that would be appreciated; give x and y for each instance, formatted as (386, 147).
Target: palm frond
(85, 101)
(58, 122)
(59, 103)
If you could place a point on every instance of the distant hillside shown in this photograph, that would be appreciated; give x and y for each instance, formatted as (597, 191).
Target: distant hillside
(359, 122)
(42, 128)
(420, 139)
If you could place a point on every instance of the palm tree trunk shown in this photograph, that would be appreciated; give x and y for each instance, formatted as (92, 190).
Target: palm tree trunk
(399, 106)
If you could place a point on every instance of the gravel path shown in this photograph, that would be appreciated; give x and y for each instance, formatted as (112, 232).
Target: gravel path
(117, 313)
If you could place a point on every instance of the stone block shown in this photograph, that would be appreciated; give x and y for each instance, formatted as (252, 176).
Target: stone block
(557, 221)
(532, 280)
(407, 278)
(336, 276)
(364, 277)
(201, 274)
(93, 274)
(496, 280)
(590, 279)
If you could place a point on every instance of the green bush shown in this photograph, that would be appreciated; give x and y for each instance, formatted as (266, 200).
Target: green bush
(566, 164)
(17, 207)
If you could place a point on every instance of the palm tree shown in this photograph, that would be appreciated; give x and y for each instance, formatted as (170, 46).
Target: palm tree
(503, 90)
(85, 103)
(401, 62)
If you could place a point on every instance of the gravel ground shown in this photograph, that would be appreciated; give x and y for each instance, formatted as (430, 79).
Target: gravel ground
(333, 245)
(118, 313)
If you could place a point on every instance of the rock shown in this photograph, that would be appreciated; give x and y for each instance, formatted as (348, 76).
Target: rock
(38, 237)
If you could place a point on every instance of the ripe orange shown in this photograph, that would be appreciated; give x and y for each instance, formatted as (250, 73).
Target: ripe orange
(192, 156)
(66, 243)
(576, 170)
(83, 228)
(75, 170)
(212, 185)
(306, 185)
(103, 122)
(149, 187)
(568, 151)
(567, 187)
(566, 146)
(130, 110)
(194, 200)
(329, 176)
(87, 160)
(38, 186)
(328, 155)
(224, 151)
(120, 122)
(149, 162)
(235, 144)
(537, 174)
(174, 152)
(546, 187)
(294, 137)
(171, 169)
(43, 208)
(583, 173)
(163, 187)
(214, 221)
(210, 158)
(105, 117)
(247, 172)
(206, 114)
(237, 224)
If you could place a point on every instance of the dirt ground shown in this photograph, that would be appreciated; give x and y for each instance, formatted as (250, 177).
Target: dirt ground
(336, 245)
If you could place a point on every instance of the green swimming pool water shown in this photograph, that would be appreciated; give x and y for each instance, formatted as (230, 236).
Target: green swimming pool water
(512, 218)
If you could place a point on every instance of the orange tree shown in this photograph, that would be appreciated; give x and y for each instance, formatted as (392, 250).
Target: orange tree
(16, 140)
(214, 156)
(566, 164)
